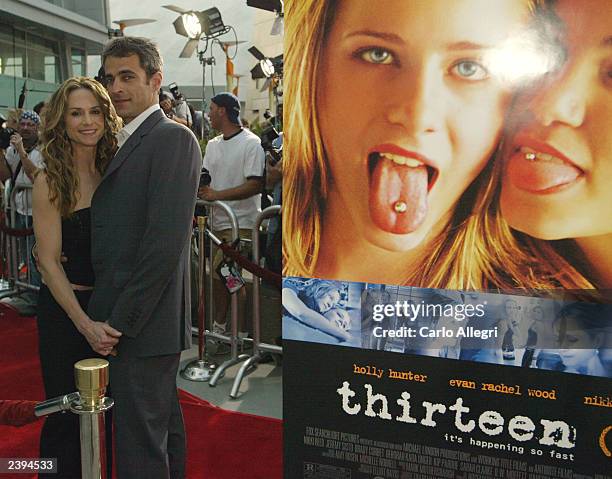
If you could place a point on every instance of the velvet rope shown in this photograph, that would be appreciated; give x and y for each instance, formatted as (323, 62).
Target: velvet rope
(13, 231)
(16, 413)
(265, 274)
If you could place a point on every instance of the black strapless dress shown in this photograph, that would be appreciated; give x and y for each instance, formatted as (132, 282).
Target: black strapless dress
(61, 345)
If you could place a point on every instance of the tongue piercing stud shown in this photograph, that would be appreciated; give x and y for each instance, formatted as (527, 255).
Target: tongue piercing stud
(400, 207)
(530, 156)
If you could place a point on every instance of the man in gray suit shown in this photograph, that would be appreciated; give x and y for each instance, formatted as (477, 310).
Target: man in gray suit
(141, 224)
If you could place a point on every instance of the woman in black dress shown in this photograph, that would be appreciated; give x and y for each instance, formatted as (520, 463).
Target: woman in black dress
(78, 143)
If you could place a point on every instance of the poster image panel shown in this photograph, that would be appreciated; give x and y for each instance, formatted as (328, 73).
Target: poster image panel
(443, 144)
(447, 239)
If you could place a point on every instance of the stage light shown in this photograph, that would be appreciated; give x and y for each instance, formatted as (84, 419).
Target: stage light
(195, 25)
(267, 67)
(276, 6)
(192, 24)
(269, 5)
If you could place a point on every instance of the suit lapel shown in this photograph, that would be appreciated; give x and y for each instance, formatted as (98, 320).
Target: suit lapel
(132, 142)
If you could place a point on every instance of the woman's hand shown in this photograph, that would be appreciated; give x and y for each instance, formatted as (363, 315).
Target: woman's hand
(102, 337)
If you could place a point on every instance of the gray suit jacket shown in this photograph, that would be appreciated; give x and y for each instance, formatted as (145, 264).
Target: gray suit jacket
(141, 224)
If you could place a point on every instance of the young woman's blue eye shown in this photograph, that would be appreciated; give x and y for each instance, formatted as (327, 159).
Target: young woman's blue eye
(377, 55)
(470, 70)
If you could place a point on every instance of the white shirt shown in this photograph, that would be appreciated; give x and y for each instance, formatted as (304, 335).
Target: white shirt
(182, 111)
(23, 198)
(231, 163)
(132, 126)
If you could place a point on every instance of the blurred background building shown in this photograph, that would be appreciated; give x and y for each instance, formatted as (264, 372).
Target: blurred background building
(44, 42)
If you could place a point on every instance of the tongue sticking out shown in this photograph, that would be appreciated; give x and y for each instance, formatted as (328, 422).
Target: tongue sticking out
(398, 196)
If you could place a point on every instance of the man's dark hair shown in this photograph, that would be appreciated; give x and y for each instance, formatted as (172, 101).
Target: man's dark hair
(39, 106)
(147, 51)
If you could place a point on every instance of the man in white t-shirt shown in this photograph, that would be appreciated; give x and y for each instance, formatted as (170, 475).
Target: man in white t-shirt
(235, 160)
(20, 162)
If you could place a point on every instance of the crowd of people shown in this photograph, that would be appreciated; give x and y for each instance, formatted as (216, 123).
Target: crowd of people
(114, 168)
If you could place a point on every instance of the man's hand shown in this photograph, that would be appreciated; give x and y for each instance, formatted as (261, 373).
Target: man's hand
(17, 143)
(207, 193)
(102, 337)
(274, 172)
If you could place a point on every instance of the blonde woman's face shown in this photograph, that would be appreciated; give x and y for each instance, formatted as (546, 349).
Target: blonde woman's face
(327, 301)
(408, 109)
(84, 118)
(559, 163)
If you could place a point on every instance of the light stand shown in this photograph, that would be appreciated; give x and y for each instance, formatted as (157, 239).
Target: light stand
(204, 60)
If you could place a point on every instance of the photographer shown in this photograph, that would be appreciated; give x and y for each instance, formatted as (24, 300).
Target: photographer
(173, 110)
(20, 161)
(181, 109)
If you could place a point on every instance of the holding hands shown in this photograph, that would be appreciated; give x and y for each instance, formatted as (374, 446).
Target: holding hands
(102, 337)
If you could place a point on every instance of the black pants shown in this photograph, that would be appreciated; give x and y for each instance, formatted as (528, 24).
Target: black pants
(149, 430)
(60, 346)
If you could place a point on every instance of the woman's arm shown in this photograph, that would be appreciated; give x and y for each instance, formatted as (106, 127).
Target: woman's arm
(294, 305)
(48, 233)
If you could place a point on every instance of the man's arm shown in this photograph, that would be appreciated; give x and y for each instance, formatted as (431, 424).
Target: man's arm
(171, 195)
(250, 187)
(180, 120)
(182, 112)
(28, 166)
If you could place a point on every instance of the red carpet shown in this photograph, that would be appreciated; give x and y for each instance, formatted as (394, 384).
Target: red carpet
(221, 444)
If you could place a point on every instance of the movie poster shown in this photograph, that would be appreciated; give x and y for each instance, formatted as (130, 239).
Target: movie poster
(447, 239)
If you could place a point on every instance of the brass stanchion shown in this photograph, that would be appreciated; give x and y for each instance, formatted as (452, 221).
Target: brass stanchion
(91, 377)
(200, 369)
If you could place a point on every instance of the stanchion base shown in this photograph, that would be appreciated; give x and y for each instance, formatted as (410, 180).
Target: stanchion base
(78, 408)
(199, 370)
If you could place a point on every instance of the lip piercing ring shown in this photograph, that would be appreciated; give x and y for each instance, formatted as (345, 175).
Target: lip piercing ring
(400, 207)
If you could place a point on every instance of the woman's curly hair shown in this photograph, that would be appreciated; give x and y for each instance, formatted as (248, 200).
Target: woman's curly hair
(62, 177)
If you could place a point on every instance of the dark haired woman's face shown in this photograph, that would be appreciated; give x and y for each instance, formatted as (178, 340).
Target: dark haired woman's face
(409, 111)
(576, 345)
(84, 118)
(557, 175)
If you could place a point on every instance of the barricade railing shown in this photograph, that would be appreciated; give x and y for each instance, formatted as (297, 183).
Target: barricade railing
(202, 369)
(17, 240)
(234, 358)
(258, 346)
